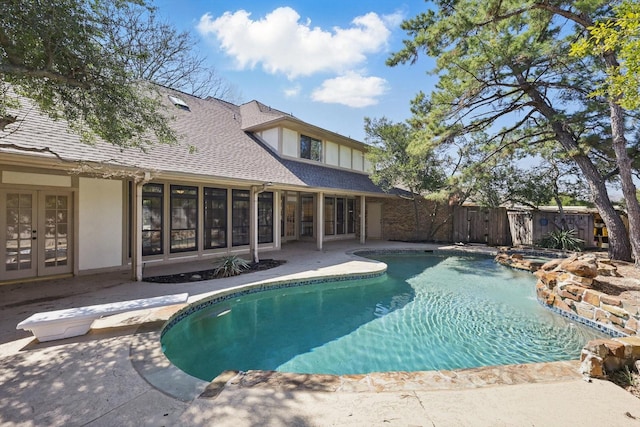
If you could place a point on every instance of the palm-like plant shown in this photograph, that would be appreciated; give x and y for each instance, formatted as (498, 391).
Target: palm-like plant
(562, 239)
(231, 265)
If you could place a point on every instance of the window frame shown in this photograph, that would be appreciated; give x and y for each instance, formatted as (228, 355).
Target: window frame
(315, 146)
(148, 195)
(191, 194)
(265, 217)
(211, 195)
(237, 231)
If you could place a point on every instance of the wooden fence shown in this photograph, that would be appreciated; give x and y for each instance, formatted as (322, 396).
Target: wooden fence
(528, 227)
(474, 224)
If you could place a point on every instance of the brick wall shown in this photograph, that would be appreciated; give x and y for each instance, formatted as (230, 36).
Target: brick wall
(398, 219)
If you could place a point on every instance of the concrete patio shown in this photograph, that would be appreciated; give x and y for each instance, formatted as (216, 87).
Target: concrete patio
(117, 374)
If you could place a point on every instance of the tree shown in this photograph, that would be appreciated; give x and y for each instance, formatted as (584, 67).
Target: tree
(503, 68)
(91, 63)
(395, 168)
(156, 51)
(54, 54)
(610, 39)
(619, 33)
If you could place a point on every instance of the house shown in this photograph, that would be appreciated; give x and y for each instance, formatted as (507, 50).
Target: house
(241, 179)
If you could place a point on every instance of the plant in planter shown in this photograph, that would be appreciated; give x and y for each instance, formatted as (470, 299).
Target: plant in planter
(562, 239)
(231, 265)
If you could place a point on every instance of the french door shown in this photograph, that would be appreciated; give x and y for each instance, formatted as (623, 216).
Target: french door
(37, 238)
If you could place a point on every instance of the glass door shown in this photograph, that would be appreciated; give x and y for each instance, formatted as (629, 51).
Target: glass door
(36, 239)
(18, 221)
(53, 241)
(290, 216)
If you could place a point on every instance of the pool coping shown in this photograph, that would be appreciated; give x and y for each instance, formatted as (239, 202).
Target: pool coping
(187, 388)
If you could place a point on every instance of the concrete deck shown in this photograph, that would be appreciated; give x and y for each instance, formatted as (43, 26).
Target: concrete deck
(117, 374)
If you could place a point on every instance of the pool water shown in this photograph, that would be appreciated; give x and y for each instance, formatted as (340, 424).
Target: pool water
(428, 312)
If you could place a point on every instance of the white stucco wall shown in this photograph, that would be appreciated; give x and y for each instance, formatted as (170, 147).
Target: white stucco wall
(332, 155)
(24, 178)
(345, 157)
(358, 160)
(290, 142)
(270, 136)
(100, 223)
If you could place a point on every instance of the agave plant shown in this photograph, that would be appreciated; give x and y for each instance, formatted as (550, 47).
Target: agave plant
(231, 265)
(562, 239)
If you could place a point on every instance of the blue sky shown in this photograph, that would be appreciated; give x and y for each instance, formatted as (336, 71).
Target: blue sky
(323, 62)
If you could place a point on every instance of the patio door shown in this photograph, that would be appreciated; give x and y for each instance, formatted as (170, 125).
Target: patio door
(37, 233)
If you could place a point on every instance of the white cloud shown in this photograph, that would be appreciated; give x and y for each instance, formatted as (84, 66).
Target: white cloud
(283, 44)
(352, 90)
(394, 19)
(293, 91)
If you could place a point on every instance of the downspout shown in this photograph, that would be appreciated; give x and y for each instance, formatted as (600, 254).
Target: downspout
(320, 221)
(363, 223)
(253, 234)
(136, 237)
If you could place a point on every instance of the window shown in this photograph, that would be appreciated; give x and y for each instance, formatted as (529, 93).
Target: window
(265, 217)
(339, 216)
(351, 216)
(310, 148)
(240, 218)
(215, 218)
(152, 202)
(178, 102)
(329, 216)
(307, 216)
(184, 218)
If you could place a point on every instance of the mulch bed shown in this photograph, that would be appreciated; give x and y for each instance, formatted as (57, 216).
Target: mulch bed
(196, 276)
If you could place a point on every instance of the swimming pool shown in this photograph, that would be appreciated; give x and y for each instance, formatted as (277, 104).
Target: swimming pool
(429, 311)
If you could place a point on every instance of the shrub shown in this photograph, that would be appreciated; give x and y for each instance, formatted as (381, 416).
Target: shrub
(562, 239)
(231, 265)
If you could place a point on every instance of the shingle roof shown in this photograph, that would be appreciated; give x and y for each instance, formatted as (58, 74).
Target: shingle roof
(213, 127)
(256, 113)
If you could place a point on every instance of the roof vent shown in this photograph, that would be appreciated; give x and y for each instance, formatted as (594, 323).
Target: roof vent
(179, 103)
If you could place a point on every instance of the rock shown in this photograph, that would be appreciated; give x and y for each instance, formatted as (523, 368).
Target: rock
(614, 310)
(607, 270)
(572, 279)
(632, 324)
(600, 347)
(559, 303)
(592, 366)
(631, 346)
(551, 265)
(517, 256)
(585, 267)
(592, 297)
(584, 310)
(549, 278)
(608, 299)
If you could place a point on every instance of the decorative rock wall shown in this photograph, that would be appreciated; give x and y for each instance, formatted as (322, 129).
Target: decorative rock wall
(518, 261)
(602, 357)
(567, 285)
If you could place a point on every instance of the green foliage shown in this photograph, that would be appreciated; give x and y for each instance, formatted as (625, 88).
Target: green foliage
(504, 70)
(231, 265)
(619, 33)
(394, 165)
(571, 200)
(562, 239)
(56, 54)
